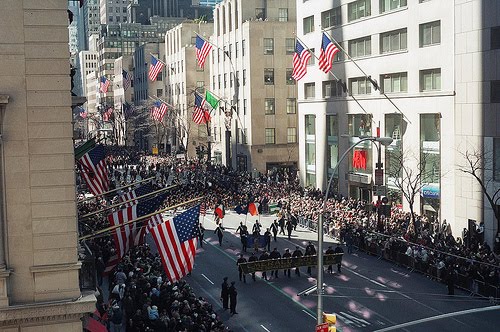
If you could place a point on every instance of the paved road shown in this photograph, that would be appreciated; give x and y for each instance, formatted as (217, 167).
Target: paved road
(369, 295)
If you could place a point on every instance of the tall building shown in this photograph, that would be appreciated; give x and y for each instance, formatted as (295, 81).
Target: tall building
(39, 267)
(254, 42)
(111, 12)
(142, 11)
(210, 3)
(438, 98)
(91, 20)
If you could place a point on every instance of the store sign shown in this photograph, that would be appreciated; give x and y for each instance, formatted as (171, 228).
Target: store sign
(430, 191)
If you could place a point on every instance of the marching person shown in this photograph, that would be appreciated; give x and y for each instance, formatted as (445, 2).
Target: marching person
(240, 270)
(287, 254)
(289, 228)
(310, 251)
(275, 254)
(232, 298)
(242, 229)
(267, 239)
(220, 233)
(339, 250)
(297, 253)
(264, 257)
(201, 235)
(253, 258)
(274, 229)
(330, 251)
(256, 229)
(281, 223)
(224, 294)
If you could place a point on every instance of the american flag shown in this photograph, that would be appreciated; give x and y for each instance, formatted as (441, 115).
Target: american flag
(158, 111)
(327, 53)
(106, 116)
(137, 192)
(103, 87)
(200, 114)
(155, 68)
(127, 80)
(176, 242)
(133, 233)
(154, 221)
(83, 113)
(300, 58)
(94, 170)
(202, 50)
(203, 209)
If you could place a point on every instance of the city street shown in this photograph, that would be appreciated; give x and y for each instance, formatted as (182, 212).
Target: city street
(370, 294)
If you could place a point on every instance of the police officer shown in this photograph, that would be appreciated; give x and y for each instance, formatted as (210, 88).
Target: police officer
(330, 251)
(232, 296)
(264, 257)
(289, 228)
(201, 234)
(256, 229)
(310, 251)
(339, 250)
(240, 270)
(275, 254)
(220, 233)
(297, 253)
(287, 254)
(274, 229)
(253, 258)
(224, 294)
(242, 229)
(267, 239)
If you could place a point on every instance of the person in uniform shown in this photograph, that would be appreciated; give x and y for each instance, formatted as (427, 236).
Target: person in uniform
(275, 254)
(274, 229)
(256, 229)
(330, 251)
(242, 229)
(220, 233)
(224, 294)
(232, 298)
(339, 250)
(297, 253)
(310, 251)
(267, 239)
(287, 254)
(289, 228)
(240, 270)
(264, 257)
(253, 258)
(201, 234)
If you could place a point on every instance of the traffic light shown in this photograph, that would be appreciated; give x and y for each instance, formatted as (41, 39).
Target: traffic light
(331, 319)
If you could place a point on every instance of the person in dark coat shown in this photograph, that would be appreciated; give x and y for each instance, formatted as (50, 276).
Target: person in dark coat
(287, 254)
(201, 234)
(275, 254)
(263, 257)
(297, 253)
(339, 250)
(310, 251)
(253, 258)
(267, 239)
(274, 229)
(220, 233)
(329, 251)
(240, 270)
(451, 276)
(224, 294)
(232, 299)
(289, 228)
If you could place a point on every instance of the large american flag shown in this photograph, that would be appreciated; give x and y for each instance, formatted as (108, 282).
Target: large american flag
(106, 115)
(300, 58)
(200, 114)
(132, 234)
(202, 50)
(133, 194)
(158, 111)
(155, 68)
(94, 172)
(327, 53)
(103, 87)
(176, 241)
(127, 79)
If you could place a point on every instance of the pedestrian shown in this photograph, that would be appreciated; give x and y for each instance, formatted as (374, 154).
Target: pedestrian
(264, 257)
(253, 258)
(232, 298)
(339, 250)
(310, 251)
(275, 254)
(287, 254)
(289, 228)
(297, 253)
(224, 294)
(267, 239)
(329, 251)
(116, 318)
(201, 234)
(244, 239)
(240, 270)
(220, 233)
(349, 241)
(274, 229)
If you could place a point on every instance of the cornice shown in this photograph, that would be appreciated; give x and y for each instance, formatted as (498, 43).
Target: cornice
(4, 99)
(55, 267)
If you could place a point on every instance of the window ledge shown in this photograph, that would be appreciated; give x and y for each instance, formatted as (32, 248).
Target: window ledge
(4, 99)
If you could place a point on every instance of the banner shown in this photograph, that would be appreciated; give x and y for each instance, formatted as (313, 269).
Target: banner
(288, 263)
(273, 208)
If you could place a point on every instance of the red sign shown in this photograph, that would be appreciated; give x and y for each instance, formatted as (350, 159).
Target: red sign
(322, 327)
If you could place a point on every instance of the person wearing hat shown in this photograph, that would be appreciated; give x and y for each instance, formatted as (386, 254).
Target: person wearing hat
(287, 254)
(232, 299)
(224, 294)
(253, 258)
(240, 270)
(297, 253)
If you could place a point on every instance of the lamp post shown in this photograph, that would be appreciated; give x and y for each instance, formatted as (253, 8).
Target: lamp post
(319, 281)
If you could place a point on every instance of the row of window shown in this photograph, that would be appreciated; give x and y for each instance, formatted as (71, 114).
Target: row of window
(222, 79)
(270, 135)
(228, 51)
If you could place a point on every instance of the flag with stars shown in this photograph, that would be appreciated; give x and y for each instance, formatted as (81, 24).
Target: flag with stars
(132, 195)
(94, 171)
(127, 80)
(132, 233)
(176, 241)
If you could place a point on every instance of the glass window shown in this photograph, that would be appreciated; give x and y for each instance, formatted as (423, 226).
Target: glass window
(270, 136)
(332, 89)
(360, 47)
(360, 86)
(386, 5)
(395, 82)
(243, 47)
(312, 59)
(310, 125)
(290, 45)
(430, 33)
(360, 125)
(291, 136)
(269, 106)
(268, 46)
(260, 13)
(269, 76)
(159, 92)
(308, 24)
(244, 77)
(225, 81)
(430, 79)
(236, 49)
(358, 9)
(309, 90)
(495, 38)
(291, 106)
(495, 92)
(339, 56)
(393, 41)
(244, 107)
(332, 133)
(330, 18)
(283, 14)
(288, 77)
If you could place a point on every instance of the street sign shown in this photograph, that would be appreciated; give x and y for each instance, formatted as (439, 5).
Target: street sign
(379, 177)
(322, 327)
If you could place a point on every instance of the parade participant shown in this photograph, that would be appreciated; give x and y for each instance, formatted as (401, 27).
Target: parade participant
(297, 253)
(240, 270)
(263, 257)
(274, 229)
(220, 233)
(310, 251)
(289, 228)
(256, 228)
(339, 250)
(224, 294)
(253, 258)
(287, 254)
(267, 239)
(232, 298)
(281, 223)
(330, 251)
(201, 234)
(275, 255)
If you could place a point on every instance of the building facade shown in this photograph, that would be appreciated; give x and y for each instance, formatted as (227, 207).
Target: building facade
(111, 12)
(431, 79)
(91, 20)
(250, 67)
(39, 267)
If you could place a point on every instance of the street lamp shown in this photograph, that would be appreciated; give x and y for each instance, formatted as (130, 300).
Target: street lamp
(319, 282)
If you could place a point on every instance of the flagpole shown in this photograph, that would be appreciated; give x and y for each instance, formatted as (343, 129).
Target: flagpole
(368, 77)
(116, 189)
(111, 228)
(157, 58)
(125, 202)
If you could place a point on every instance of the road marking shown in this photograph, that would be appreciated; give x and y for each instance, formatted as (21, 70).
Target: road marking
(314, 317)
(264, 328)
(366, 278)
(210, 281)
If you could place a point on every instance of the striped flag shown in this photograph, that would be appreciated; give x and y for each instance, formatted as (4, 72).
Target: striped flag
(83, 113)
(154, 221)
(176, 241)
(200, 114)
(253, 208)
(203, 209)
(300, 58)
(103, 87)
(327, 53)
(158, 111)
(220, 211)
(132, 234)
(106, 116)
(94, 172)
(202, 50)
(155, 68)
(127, 80)
(133, 194)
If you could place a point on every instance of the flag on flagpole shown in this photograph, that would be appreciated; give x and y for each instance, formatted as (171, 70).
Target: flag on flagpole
(202, 50)
(83, 113)
(200, 115)
(155, 68)
(133, 194)
(127, 80)
(176, 241)
(158, 111)
(203, 209)
(153, 222)
(94, 170)
(300, 59)
(240, 209)
(220, 211)
(103, 87)
(211, 99)
(106, 116)
(327, 53)
(253, 208)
